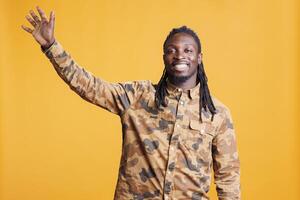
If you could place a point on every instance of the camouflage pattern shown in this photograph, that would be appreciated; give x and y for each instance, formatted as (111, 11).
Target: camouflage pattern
(167, 153)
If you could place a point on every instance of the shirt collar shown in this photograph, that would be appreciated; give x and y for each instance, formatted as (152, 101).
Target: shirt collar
(174, 90)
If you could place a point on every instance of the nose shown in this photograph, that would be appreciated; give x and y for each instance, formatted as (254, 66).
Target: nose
(179, 55)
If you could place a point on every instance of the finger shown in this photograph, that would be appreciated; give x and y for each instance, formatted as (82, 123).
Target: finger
(29, 30)
(52, 19)
(31, 21)
(42, 14)
(36, 18)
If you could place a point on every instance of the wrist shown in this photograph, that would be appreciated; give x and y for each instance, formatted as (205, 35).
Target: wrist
(47, 45)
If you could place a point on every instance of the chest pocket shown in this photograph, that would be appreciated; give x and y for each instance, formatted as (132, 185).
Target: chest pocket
(198, 139)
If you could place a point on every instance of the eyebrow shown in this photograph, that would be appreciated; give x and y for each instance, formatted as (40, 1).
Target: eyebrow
(175, 45)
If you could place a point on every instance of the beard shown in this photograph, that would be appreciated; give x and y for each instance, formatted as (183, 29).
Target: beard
(176, 80)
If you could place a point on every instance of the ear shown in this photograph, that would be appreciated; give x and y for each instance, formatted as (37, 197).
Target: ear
(200, 58)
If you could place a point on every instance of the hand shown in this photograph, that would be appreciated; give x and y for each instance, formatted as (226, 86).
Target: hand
(43, 31)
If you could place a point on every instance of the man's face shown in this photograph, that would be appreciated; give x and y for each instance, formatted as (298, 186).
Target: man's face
(181, 58)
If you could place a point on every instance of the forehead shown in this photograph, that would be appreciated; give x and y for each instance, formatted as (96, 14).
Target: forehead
(181, 39)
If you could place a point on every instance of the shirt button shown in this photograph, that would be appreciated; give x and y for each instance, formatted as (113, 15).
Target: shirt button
(178, 125)
(202, 130)
(179, 90)
(181, 102)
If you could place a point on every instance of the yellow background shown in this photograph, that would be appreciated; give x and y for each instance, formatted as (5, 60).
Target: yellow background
(56, 146)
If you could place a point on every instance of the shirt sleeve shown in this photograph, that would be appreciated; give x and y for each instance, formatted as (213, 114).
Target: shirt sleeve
(114, 97)
(226, 162)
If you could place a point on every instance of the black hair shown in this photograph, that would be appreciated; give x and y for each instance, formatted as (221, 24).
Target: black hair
(205, 100)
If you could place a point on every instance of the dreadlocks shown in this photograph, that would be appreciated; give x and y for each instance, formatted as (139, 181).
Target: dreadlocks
(205, 100)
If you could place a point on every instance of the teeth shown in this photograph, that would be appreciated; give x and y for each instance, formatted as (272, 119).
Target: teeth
(180, 67)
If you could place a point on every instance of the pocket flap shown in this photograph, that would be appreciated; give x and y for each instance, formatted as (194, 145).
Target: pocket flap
(203, 128)
(196, 125)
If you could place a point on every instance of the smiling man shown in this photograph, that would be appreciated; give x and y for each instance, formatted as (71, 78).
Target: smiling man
(174, 132)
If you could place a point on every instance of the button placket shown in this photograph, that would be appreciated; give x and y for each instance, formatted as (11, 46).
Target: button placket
(168, 183)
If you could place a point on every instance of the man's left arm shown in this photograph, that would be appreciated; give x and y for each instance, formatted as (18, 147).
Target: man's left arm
(226, 162)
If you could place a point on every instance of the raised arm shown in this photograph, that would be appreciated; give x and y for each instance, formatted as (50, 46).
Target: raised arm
(116, 98)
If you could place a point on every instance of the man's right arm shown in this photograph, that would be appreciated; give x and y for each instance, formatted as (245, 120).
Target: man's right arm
(115, 98)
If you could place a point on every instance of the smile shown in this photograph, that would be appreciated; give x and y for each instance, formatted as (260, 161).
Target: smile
(180, 67)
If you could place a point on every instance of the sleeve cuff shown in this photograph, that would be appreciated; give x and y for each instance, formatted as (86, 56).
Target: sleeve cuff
(54, 50)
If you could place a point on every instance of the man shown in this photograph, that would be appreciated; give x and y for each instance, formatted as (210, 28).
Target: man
(174, 132)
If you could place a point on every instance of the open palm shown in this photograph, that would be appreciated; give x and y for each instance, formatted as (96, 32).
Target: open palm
(43, 31)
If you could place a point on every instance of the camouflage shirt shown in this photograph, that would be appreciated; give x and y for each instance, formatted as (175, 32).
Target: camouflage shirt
(166, 153)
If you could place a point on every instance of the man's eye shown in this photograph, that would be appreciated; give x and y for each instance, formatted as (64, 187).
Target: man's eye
(170, 51)
(188, 50)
